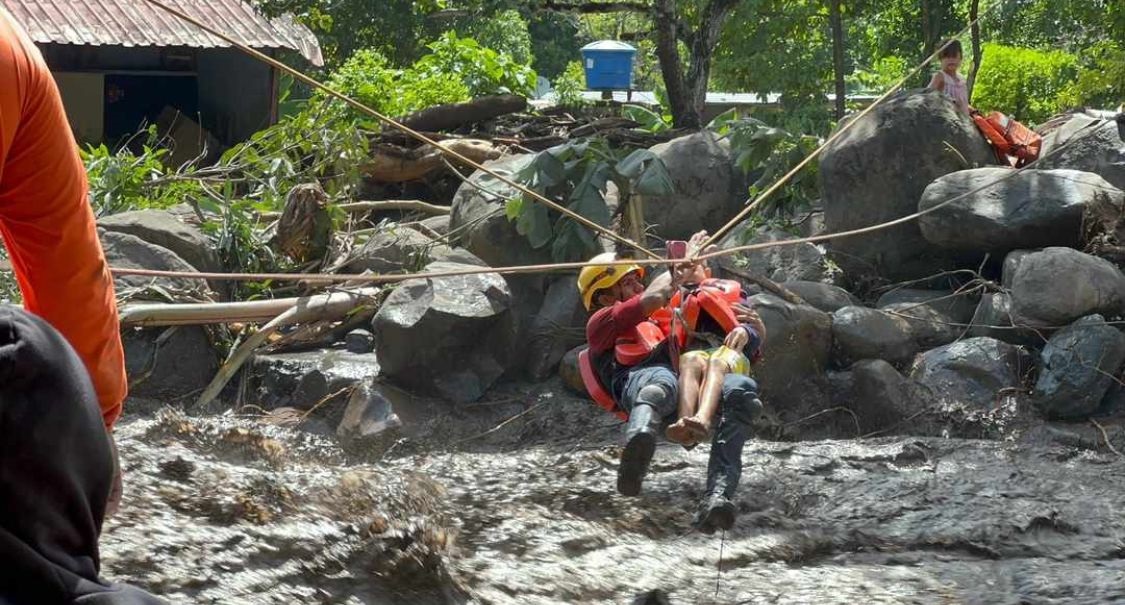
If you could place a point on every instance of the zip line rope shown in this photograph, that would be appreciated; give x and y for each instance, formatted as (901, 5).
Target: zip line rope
(571, 266)
(406, 129)
(839, 132)
(654, 260)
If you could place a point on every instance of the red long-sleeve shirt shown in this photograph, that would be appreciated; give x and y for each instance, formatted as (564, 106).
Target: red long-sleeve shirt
(46, 220)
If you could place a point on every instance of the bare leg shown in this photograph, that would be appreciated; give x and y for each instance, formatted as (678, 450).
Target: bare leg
(700, 423)
(691, 375)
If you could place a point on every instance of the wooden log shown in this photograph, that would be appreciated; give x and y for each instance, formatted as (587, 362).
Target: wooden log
(455, 115)
(389, 165)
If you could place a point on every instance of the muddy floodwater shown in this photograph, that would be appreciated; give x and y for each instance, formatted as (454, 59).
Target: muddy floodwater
(233, 510)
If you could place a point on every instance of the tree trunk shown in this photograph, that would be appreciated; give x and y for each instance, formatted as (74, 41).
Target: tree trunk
(837, 22)
(666, 24)
(978, 53)
(703, 44)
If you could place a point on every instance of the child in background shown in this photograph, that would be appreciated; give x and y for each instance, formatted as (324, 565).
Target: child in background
(948, 80)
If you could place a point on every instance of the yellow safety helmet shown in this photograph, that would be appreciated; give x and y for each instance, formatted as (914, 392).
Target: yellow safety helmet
(598, 276)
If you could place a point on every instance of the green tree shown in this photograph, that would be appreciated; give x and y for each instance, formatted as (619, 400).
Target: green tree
(1030, 85)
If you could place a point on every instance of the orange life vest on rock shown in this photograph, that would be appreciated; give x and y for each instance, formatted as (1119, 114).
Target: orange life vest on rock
(1015, 144)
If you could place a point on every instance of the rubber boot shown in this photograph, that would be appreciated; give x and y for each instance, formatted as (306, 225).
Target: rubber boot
(724, 469)
(640, 444)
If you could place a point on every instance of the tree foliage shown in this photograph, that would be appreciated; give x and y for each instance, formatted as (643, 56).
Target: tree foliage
(1030, 85)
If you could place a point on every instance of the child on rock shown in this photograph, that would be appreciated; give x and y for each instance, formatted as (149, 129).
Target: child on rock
(948, 80)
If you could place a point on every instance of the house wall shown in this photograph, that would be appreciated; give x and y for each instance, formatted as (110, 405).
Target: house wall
(236, 94)
(232, 95)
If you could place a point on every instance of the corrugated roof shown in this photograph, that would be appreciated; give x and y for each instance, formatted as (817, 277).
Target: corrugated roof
(138, 23)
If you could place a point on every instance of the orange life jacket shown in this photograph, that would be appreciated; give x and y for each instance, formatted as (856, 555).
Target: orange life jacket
(712, 297)
(1014, 143)
(594, 386)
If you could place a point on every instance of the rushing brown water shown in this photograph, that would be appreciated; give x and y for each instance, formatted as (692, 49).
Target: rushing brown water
(232, 510)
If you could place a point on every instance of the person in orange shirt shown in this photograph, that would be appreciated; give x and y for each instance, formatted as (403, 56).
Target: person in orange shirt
(62, 366)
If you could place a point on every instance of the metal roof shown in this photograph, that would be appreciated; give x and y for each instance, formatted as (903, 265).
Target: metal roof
(138, 23)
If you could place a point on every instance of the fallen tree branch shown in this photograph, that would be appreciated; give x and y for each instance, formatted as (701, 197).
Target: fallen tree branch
(391, 164)
(767, 284)
(169, 314)
(1105, 436)
(324, 306)
(455, 115)
(364, 207)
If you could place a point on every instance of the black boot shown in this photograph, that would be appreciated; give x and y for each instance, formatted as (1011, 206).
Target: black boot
(640, 444)
(715, 512)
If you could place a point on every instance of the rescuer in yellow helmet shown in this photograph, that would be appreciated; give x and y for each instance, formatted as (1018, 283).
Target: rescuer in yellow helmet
(627, 370)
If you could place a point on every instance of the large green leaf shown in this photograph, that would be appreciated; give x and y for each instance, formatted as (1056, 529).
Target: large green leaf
(648, 119)
(534, 223)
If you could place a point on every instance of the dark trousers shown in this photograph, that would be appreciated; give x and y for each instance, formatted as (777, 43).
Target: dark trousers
(56, 471)
(739, 405)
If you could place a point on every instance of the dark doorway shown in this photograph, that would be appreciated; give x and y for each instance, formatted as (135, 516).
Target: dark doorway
(133, 101)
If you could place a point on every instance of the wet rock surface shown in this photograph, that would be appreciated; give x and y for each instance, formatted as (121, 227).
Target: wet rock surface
(222, 509)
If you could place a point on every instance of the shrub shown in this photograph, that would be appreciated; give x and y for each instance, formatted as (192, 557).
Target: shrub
(1027, 84)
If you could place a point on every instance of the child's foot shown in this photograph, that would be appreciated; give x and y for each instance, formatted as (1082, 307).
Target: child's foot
(679, 432)
(699, 430)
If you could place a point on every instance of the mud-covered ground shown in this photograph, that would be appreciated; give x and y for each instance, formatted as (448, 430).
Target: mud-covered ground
(232, 510)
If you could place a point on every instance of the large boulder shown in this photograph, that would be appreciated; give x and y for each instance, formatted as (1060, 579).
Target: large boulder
(1030, 209)
(796, 262)
(993, 319)
(162, 228)
(401, 249)
(558, 327)
(826, 297)
(709, 189)
(477, 216)
(958, 306)
(929, 327)
(1058, 285)
(304, 379)
(131, 252)
(796, 352)
(168, 363)
(1078, 364)
(974, 372)
(880, 397)
(1090, 144)
(860, 333)
(877, 172)
(451, 336)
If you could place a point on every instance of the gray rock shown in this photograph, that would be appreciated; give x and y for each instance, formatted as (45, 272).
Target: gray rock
(303, 379)
(929, 327)
(168, 363)
(451, 336)
(568, 371)
(882, 398)
(479, 219)
(975, 372)
(1088, 144)
(798, 262)
(438, 224)
(1077, 367)
(877, 172)
(959, 307)
(369, 416)
(459, 256)
(398, 250)
(826, 297)
(162, 228)
(1011, 265)
(1059, 285)
(1031, 209)
(708, 188)
(558, 327)
(359, 341)
(860, 333)
(131, 252)
(993, 319)
(796, 352)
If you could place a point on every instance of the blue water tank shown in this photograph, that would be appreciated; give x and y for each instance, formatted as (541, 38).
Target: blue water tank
(609, 65)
